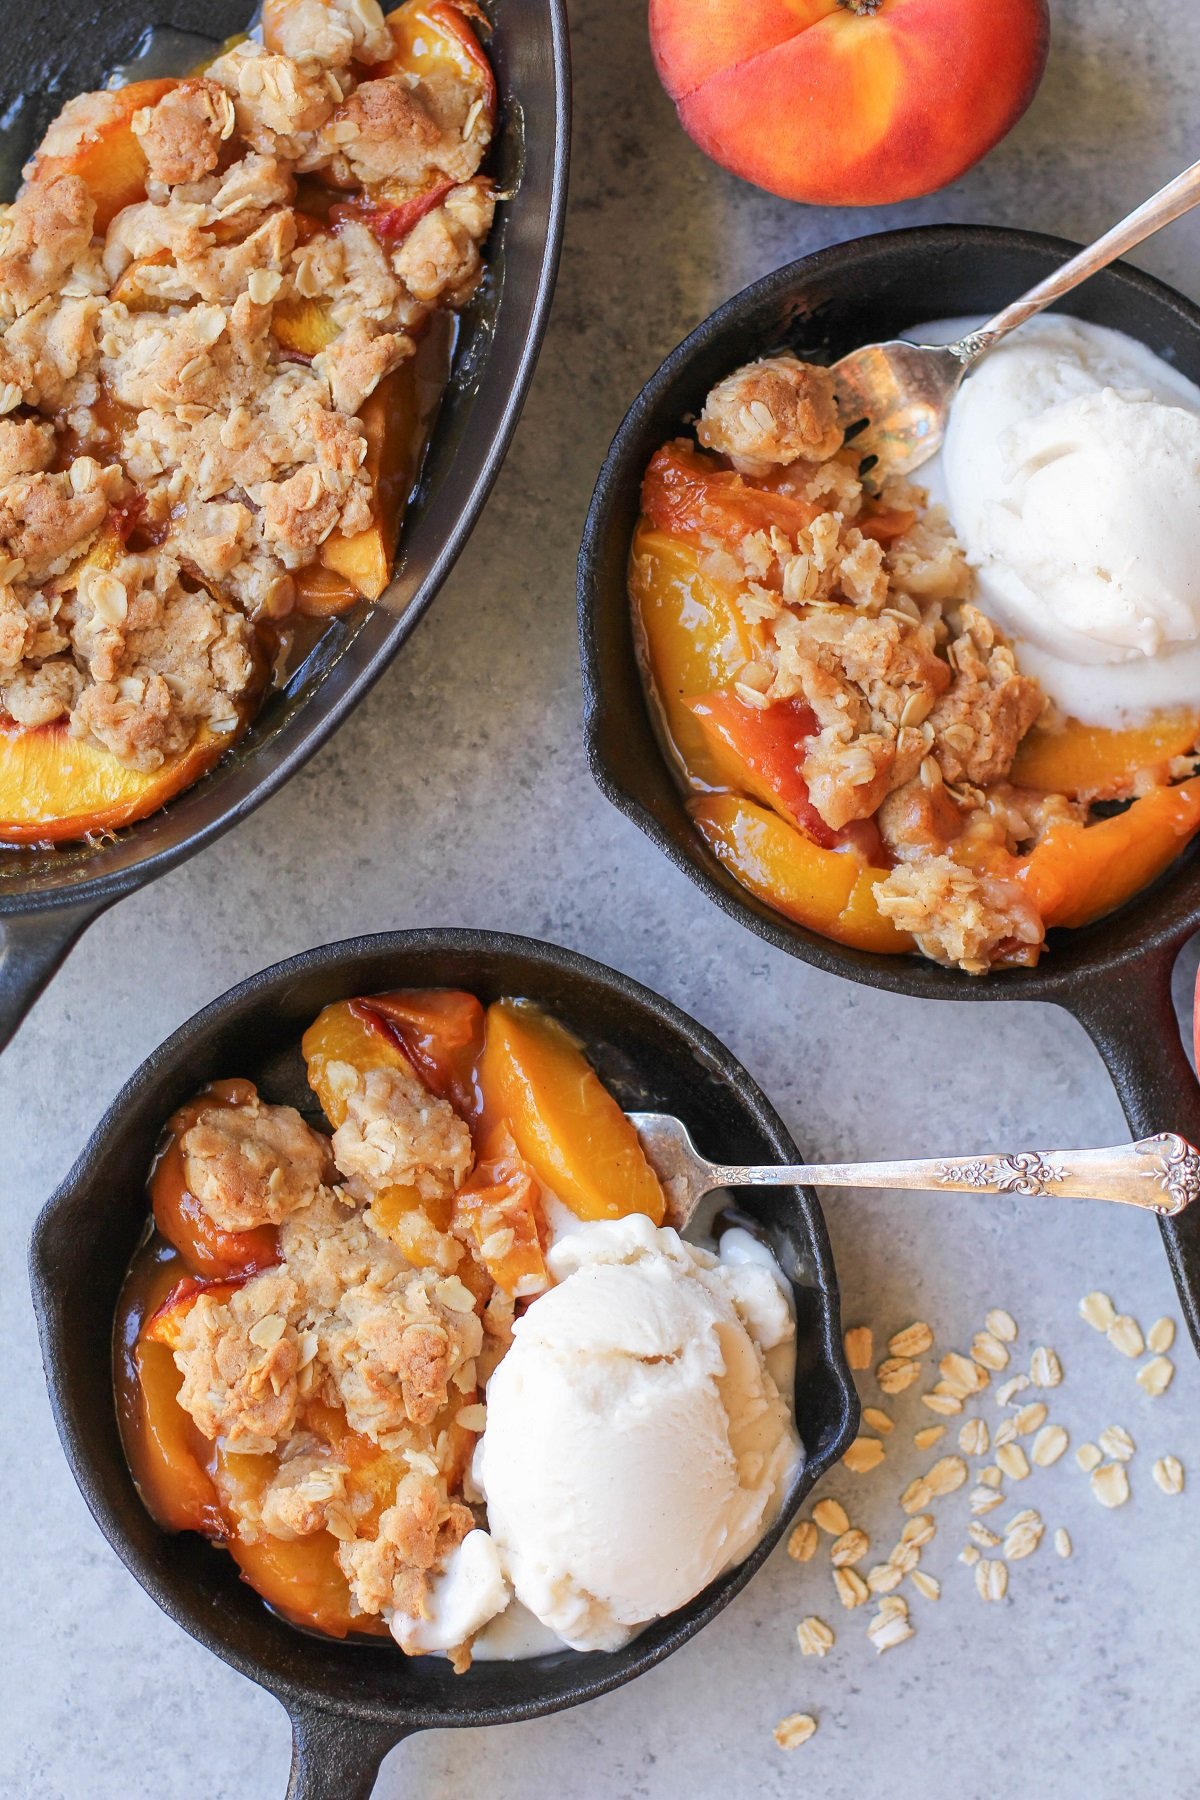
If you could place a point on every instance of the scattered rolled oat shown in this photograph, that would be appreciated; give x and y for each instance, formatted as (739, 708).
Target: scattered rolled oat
(1013, 1461)
(1016, 1384)
(1088, 1457)
(973, 1438)
(858, 1344)
(1116, 1443)
(1045, 1368)
(1110, 1484)
(990, 1477)
(897, 1373)
(815, 1637)
(1062, 1541)
(1006, 1433)
(1161, 1335)
(795, 1730)
(983, 1499)
(1155, 1377)
(852, 1590)
(917, 1495)
(830, 1515)
(928, 1436)
(947, 1474)
(1049, 1445)
(1168, 1474)
(969, 1555)
(1098, 1310)
(1125, 1335)
(919, 1530)
(863, 1455)
(914, 1340)
(1030, 1417)
(905, 1557)
(991, 1579)
(981, 1536)
(1002, 1325)
(851, 1547)
(878, 1420)
(890, 1625)
(939, 1402)
(1022, 1535)
(986, 1348)
(803, 1541)
(961, 1375)
(884, 1577)
(928, 1585)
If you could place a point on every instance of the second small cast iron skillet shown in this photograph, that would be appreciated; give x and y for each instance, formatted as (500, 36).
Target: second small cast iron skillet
(49, 896)
(351, 1702)
(1114, 975)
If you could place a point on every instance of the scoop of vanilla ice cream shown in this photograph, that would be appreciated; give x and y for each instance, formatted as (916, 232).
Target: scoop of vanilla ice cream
(1071, 469)
(635, 1442)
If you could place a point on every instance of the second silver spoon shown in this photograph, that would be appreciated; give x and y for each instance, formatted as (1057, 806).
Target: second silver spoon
(1161, 1173)
(904, 391)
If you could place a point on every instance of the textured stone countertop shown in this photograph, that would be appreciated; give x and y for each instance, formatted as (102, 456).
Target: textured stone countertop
(460, 796)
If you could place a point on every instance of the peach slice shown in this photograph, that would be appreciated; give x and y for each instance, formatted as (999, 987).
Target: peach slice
(434, 40)
(362, 563)
(165, 1448)
(97, 143)
(346, 1033)
(830, 891)
(1080, 872)
(1089, 762)
(301, 1579)
(441, 1030)
(687, 493)
(499, 1207)
(849, 102)
(55, 787)
(564, 1122)
(180, 1217)
(693, 636)
(762, 749)
(305, 327)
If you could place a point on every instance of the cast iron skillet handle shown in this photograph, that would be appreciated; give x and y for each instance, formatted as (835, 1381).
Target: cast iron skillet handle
(31, 949)
(335, 1755)
(1131, 1020)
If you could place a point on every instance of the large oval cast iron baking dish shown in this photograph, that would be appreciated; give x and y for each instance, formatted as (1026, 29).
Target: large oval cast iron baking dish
(48, 897)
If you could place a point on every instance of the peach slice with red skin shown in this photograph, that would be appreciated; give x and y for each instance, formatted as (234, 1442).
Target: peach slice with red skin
(687, 493)
(105, 152)
(849, 102)
(435, 38)
(566, 1125)
(55, 787)
(180, 1217)
(762, 749)
(499, 1207)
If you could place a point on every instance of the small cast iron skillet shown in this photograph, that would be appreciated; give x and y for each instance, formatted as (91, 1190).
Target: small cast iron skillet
(1115, 975)
(351, 1702)
(48, 897)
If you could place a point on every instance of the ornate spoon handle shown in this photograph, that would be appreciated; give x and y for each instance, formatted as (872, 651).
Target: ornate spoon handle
(1170, 202)
(1161, 1174)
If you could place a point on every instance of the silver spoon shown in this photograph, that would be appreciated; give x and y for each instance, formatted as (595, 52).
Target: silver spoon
(904, 390)
(1161, 1173)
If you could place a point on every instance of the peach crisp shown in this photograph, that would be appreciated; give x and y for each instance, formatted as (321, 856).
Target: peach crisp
(860, 747)
(223, 299)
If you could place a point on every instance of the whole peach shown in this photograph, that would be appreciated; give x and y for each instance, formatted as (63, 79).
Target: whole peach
(849, 102)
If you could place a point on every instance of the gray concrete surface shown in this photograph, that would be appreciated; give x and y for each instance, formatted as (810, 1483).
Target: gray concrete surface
(458, 794)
